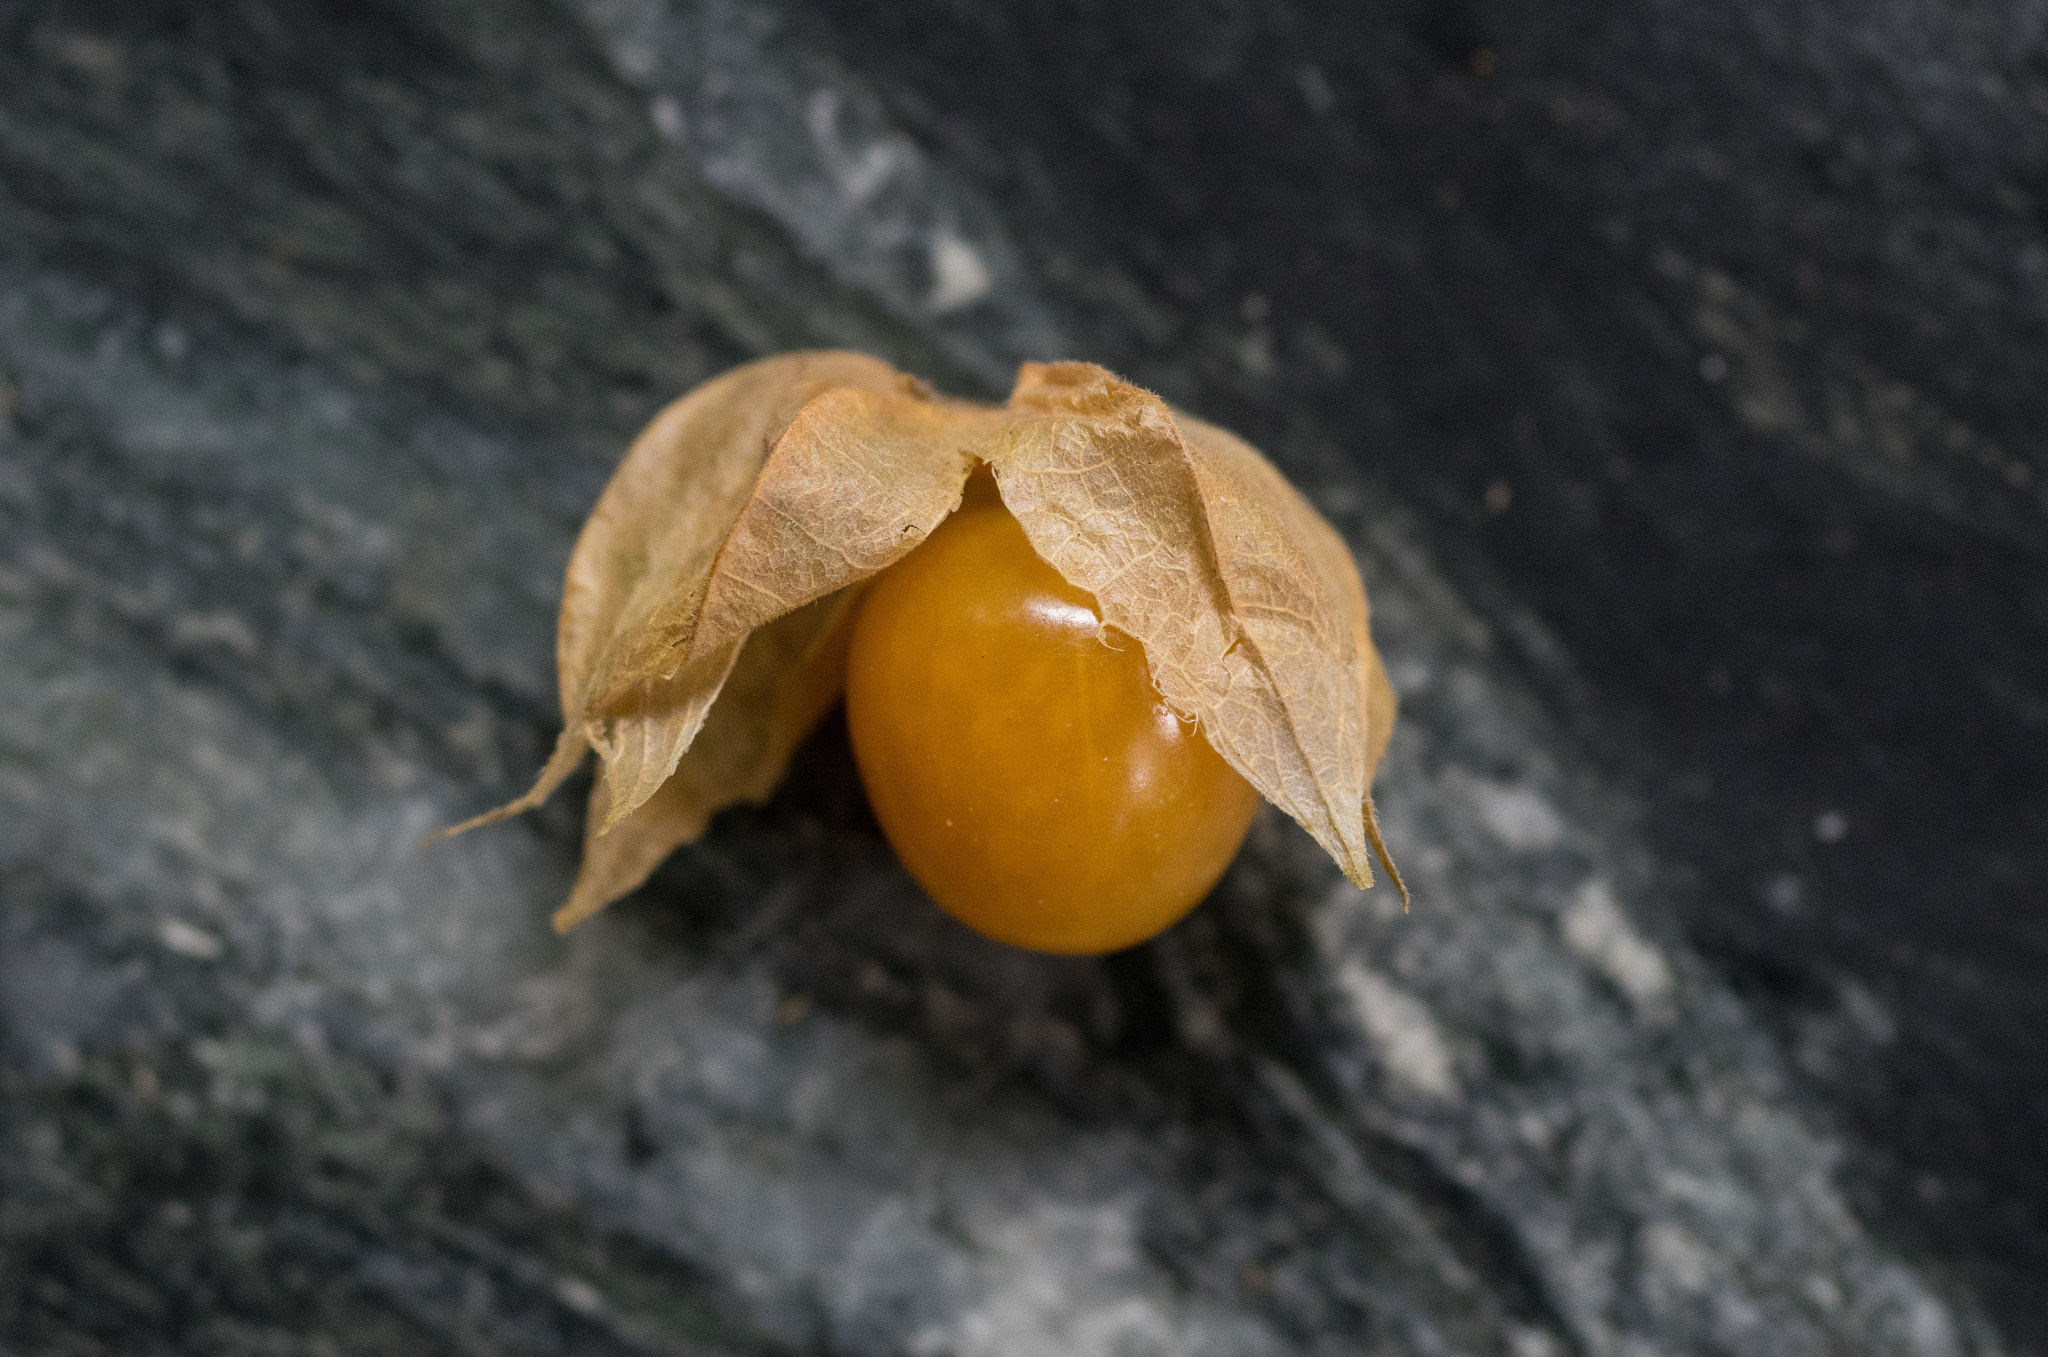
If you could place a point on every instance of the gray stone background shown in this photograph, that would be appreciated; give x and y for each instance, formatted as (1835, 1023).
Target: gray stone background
(1674, 370)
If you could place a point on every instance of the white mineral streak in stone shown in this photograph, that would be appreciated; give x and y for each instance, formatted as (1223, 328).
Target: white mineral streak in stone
(781, 124)
(960, 276)
(1406, 1036)
(1676, 1257)
(178, 936)
(824, 1164)
(1595, 928)
(1871, 1019)
(1518, 815)
(1068, 1280)
(667, 116)
(847, 1187)
(1527, 1342)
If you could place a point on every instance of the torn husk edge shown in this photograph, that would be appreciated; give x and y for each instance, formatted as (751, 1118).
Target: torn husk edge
(707, 602)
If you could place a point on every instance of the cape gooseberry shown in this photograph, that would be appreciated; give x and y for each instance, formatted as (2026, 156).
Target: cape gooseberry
(1017, 755)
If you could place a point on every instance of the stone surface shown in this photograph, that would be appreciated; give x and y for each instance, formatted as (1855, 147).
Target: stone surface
(1672, 374)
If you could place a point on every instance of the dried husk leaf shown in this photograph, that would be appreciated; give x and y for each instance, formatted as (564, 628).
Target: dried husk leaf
(1247, 604)
(705, 614)
(644, 556)
(858, 479)
(788, 676)
(1333, 566)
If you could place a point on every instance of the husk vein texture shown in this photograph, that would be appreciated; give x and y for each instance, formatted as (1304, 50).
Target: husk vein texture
(707, 604)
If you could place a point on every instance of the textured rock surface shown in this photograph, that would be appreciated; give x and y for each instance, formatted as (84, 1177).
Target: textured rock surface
(1673, 380)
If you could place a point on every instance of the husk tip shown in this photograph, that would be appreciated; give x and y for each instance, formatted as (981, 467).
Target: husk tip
(571, 914)
(569, 747)
(1379, 848)
(489, 817)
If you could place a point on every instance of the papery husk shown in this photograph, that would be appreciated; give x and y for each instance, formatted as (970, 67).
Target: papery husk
(1248, 605)
(787, 677)
(705, 613)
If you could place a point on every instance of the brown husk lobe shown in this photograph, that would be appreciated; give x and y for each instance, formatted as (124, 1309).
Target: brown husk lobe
(706, 606)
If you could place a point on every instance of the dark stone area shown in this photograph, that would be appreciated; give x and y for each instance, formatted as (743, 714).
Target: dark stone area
(1674, 371)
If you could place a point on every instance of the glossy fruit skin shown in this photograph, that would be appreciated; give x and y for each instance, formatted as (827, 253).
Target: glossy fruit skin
(1018, 757)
